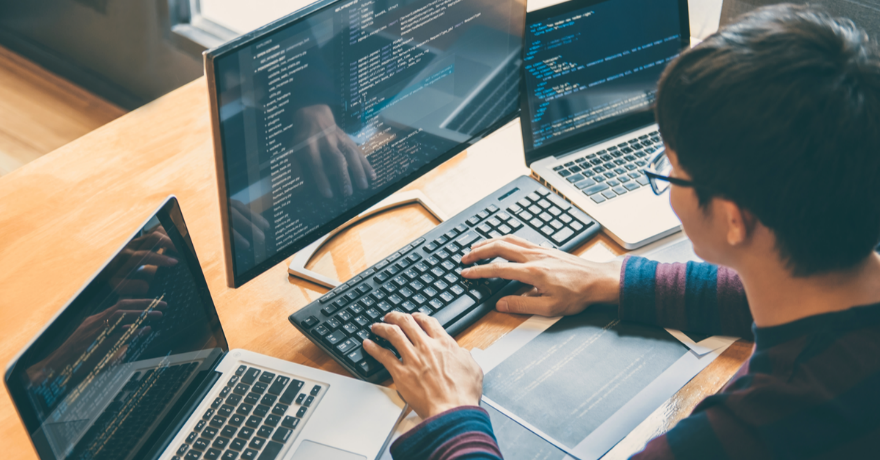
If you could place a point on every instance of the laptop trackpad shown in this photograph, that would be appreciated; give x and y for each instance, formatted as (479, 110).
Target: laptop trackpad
(309, 450)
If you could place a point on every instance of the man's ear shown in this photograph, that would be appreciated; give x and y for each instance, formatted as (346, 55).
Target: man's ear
(740, 223)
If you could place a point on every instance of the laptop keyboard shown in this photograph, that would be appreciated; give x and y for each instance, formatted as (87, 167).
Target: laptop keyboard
(425, 275)
(139, 403)
(611, 172)
(253, 417)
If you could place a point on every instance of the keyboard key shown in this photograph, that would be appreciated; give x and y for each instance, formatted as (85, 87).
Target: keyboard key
(271, 451)
(619, 190)
(249, 454)
(217, 421)
(609, 194)
(261, 410)
(334, 338)
(245, 433)
(562, 235)
(291, 391)
(321, 330)
(225, 410)
(241, 389)
(209, 433)
(454, 310)
(281, 435)
(268, 400)
(212, 454)
(369, 366)
(229, 455)
(346, 346)
(253, 421)
(290, 422)
(236, 420)
(265, 431)
(220, 442)
(631, 186)
(301, 412)
(200, 444)
(595, 189)
(353, 357)
(279, 409)
(193, 455)
(244, 409)
(257, 443)
(272, 420)
(315, 390)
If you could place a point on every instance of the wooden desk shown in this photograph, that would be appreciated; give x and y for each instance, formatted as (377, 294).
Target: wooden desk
(65, 214)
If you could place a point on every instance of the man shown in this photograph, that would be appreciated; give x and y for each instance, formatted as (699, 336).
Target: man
(772, 130)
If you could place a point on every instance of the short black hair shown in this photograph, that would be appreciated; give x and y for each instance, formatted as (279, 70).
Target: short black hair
(780, 113)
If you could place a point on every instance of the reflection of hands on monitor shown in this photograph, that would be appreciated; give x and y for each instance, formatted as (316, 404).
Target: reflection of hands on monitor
(135, 266)
(251, 223)
(116, 321)
(329, 152)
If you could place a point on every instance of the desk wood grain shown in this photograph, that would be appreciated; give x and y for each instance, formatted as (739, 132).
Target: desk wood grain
(63, 215)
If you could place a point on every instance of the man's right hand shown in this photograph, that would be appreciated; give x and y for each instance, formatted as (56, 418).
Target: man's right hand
(563, 284)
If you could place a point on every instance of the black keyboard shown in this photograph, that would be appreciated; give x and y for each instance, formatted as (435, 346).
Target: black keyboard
(425, 275)
(613, 171)
(253, 417)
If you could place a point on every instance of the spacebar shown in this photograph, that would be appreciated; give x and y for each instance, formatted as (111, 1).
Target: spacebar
(459, 306)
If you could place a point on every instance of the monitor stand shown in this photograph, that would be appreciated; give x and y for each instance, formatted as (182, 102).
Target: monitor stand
(297, 266)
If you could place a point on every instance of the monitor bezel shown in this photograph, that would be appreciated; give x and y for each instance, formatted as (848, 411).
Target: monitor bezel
(234, 280)
(589, 137)
(14, 370)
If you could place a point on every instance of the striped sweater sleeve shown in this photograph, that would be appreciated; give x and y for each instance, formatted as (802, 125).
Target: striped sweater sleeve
(693, 297)
(463, 433)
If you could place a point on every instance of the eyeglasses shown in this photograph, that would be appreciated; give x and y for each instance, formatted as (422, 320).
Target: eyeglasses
(658, 169)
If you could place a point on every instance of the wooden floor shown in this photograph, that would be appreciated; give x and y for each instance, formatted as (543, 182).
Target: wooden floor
(40, 111)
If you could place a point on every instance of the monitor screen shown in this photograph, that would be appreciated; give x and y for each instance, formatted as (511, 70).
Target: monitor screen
(595, 65)
(322, 115)
(108, 374)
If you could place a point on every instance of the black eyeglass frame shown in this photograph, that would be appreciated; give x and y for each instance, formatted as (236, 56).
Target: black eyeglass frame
(654, 176)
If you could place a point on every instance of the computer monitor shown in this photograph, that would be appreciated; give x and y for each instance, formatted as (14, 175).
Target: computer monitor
(325, 112)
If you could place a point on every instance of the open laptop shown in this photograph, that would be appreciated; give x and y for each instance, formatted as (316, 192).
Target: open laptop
(136, 366)
(589, 81)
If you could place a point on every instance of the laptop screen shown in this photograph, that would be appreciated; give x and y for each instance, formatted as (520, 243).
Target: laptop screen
(590, 64)
(108, 374)
(324, 115)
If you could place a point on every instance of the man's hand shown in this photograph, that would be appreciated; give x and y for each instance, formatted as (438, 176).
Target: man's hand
(435, 374)
(329, 151)
(563, 284)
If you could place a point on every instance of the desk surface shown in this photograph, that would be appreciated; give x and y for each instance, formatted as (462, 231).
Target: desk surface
(64, 215)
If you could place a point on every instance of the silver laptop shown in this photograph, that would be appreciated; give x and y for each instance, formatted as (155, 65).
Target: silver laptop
(136, 366)
(586, 109)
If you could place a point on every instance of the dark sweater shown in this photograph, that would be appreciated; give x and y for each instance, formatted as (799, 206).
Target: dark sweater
(811, 388)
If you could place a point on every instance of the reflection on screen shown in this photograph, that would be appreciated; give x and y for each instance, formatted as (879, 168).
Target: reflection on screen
(595, 65)
(323, 114)
(102, 387)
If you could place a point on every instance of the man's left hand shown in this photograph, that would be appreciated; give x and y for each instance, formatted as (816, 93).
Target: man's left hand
(434, 374)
